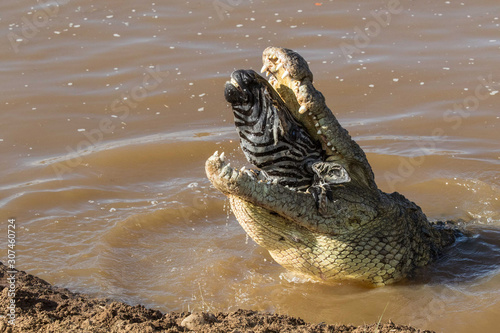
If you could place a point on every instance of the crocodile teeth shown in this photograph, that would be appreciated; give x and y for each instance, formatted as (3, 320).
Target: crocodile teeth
(317, 124)
(285, 74)
(226, 171)
(264, 68)
(272, 181)
(279, 66)
(329, 144)
(222, 157)
(319, 132)
(234, 175)
(302, 109)
(252, 174)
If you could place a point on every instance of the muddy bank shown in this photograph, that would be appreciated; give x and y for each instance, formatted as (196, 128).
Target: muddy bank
(41, 307)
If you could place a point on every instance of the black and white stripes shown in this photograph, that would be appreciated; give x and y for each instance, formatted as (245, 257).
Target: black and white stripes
(270, 137)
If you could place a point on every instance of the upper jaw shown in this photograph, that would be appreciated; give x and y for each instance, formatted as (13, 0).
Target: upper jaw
(292, 79)
(283, 63)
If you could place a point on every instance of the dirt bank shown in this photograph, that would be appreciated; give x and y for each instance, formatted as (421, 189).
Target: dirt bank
(41, 307)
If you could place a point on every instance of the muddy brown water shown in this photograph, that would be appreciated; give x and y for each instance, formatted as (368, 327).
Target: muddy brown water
(110, 109)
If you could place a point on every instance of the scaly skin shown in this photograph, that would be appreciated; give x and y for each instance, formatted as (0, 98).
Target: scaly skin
(364, 234)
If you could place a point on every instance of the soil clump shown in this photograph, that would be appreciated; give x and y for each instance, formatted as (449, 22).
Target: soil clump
(41, 307)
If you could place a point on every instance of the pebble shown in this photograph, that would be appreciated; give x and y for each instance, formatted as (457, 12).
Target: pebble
(195, 321)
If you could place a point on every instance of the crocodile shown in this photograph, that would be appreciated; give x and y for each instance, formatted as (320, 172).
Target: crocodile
(332, 223)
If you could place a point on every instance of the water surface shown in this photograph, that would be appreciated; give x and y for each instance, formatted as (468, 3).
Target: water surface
(110, 109)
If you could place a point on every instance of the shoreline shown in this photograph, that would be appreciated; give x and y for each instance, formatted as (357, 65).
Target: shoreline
(41, 307)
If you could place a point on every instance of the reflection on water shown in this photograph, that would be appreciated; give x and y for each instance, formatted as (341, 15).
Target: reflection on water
(109, 111)
(475, 256)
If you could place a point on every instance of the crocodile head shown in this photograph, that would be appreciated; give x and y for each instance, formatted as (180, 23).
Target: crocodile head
(320, 213)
